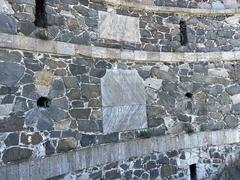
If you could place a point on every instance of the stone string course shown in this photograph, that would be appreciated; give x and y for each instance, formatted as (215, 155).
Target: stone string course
(61, 48)
(154, 157)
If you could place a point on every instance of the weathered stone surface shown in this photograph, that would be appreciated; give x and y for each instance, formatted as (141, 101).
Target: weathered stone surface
(12, 139)
(74, 94)
(16, 154)
(39, 118)
(67, 144)
(88, 125)
(57, 89)
(10, 73)
(167, 170)
(113, 174)
(123, 99)
(70, 82)
(231, 121)
(87, 140)
(90, 91)
(8, 24)
(80, 113)
(12, 124)
(233, 89)
(117, 27)
(5, 7)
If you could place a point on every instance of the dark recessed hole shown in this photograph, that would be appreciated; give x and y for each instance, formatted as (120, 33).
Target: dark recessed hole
(40, 14)
(189, 95)
(43, 102)
(183, 33)
(193, 171)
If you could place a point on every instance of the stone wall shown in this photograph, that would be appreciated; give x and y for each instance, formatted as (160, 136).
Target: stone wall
(180, 97)
(107, 90)
(108, 25)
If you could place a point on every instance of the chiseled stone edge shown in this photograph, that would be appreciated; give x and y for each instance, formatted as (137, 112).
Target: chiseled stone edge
(55, 165)
(175, 10)
(62, 48)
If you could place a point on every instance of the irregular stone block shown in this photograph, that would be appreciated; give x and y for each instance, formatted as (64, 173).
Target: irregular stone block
(10, 73)
(65, 145)
(118, 27)
(16, 154)
(8, 25)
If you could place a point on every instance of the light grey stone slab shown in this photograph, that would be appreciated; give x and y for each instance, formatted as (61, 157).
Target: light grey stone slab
(118, 27)
(122, 88)
(122, 118)
(123, 101)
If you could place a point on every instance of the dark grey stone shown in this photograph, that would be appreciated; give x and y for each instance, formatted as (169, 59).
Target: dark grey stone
(26, 27)
(168, 170)
(236, 108)
(150, 165)
(20, 105)
(138, 172)
(88, 126)
(111, 165)
(97, 72)
(96, 175)
(154, 173)
(12, 124)
(12, 139)
(30, 92)
(10, 73)
(70, 82)
(87, 140)
(113, 174)
(8, 99)
(39, 117)
(90, 91)
(61, 103)
(155, 116)
(77, 69)
(80, 113)
(166, 100)
(8, 24)
(7, 56)
(231, 121)
(16, 154)
(57, 89)
(49, 148)
(74, 94)
(233, 89)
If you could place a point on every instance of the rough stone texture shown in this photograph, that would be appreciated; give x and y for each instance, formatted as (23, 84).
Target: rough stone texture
(117, 27)
(16, 154)
(123, 101)
(10, 73)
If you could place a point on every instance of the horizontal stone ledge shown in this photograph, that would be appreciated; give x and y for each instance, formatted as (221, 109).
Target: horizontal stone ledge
(166, 9)
(18, 42)
(55, 165)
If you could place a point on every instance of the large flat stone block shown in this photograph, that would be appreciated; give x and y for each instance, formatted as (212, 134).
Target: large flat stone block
(123, 101)
(118, 27)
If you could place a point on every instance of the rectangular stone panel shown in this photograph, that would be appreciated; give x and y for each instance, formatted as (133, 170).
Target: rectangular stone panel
(118, 27)
(121, 118)
(123, 101)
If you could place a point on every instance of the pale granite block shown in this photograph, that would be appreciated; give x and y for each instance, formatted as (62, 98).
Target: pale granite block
(121, 118)
(122, 88)
(118, 27)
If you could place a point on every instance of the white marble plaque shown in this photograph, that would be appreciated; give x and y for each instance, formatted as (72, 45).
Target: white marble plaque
(123, 101)
(118, 27)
